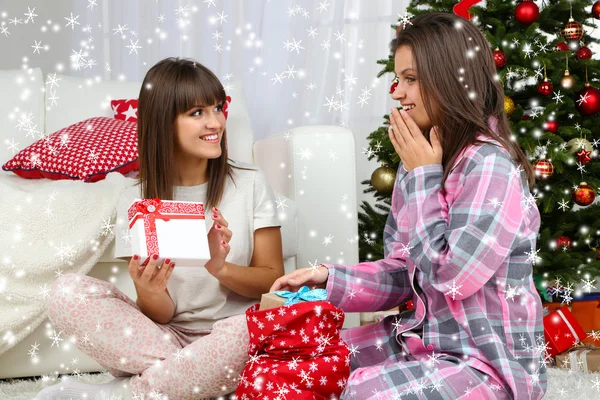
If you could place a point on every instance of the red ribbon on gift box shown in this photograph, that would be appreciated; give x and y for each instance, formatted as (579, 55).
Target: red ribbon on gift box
(151, 210)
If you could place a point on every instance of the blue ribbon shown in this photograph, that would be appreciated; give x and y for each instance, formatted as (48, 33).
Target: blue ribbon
(303, 294)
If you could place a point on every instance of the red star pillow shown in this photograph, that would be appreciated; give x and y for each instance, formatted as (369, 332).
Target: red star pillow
(125, 110)
(87, 150)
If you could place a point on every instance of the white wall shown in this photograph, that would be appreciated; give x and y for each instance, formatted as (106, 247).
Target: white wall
(16, 47)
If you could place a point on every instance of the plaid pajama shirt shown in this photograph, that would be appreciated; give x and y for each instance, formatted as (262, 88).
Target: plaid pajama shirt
(464, 256)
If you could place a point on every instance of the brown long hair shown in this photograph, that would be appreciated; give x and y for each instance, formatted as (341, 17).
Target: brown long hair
(439, 43)
(171, 87)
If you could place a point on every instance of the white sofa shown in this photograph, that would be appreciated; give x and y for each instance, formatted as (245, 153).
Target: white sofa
(320, 190)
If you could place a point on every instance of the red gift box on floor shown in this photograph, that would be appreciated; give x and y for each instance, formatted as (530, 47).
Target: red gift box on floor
(296, 352)
(562, 331)
(587, 313)
(550, 307)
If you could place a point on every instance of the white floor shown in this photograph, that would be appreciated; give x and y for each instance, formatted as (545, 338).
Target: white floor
(562, 384)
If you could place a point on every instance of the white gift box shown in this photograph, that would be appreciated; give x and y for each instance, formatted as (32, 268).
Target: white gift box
(171, 229)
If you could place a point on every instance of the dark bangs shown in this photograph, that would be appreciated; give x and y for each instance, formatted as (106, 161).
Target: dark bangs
(196, 85)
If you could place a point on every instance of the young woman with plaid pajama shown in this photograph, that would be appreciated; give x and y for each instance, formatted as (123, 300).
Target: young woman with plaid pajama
(459, 240)
(186, 335)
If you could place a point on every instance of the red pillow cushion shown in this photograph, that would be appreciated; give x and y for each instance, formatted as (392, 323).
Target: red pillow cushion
(87, 150)
(125, 110)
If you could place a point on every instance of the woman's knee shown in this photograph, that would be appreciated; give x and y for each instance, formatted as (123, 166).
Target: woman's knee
(235, 325)
(232, 333)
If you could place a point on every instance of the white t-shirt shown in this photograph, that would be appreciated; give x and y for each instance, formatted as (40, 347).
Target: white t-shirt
(248, 204)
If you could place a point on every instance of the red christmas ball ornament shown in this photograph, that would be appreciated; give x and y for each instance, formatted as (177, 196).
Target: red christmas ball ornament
(596, 10)
(527, 12)
(543, 168)
(499, 58)
(584, 195)
(545, 88)
(551, 126)
(588, 102)
(226, 106)
(394, 85)
(584, 53)
(583, 156)
(562, 46)
(563, 241)
(573, 30)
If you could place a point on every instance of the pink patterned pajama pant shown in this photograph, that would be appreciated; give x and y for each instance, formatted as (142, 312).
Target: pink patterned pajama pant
(162, 359)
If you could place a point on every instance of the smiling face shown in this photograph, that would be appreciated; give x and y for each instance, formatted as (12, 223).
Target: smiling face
(200, 131)
(408, 91)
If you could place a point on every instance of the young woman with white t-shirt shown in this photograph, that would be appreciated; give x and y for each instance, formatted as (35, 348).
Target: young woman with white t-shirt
(186, 335)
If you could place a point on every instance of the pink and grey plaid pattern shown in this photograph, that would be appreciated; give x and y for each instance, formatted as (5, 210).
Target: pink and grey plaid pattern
(464, 256)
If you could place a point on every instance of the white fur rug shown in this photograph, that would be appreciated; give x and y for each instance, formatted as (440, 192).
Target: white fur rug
(561, 384)
(27, 389)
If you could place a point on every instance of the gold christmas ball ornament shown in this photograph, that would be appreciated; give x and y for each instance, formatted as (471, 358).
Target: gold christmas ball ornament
(567, 81)
(575, 145)
(509, 106)
(383, 179)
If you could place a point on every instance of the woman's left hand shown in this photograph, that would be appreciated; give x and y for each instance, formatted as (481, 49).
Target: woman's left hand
(218, 243)
(410, 144)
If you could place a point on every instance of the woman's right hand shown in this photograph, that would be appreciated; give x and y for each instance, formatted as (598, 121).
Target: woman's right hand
(148, 276)
(292, 282)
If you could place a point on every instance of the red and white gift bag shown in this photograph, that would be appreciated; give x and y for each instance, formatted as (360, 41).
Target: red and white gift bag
(296, 352)
(171, 229)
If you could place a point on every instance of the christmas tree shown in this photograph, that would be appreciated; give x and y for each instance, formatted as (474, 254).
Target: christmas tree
(553, 104)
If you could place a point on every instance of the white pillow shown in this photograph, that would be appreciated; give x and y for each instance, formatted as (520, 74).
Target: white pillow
(21, 111)
(81, 98)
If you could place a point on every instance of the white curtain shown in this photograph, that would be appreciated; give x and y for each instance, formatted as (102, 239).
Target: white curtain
(301, 62)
